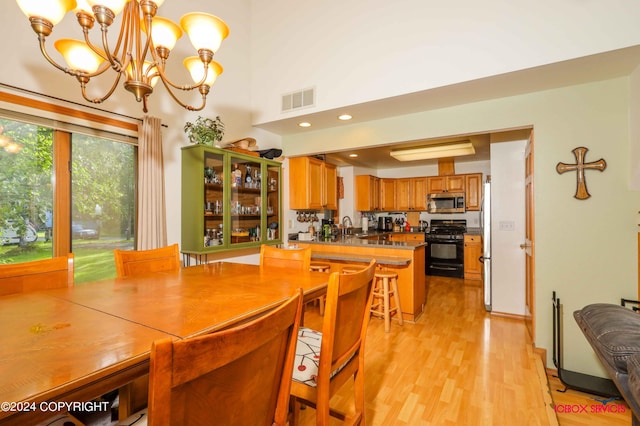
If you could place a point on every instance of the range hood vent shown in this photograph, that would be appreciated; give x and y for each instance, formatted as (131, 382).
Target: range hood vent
(446, 167)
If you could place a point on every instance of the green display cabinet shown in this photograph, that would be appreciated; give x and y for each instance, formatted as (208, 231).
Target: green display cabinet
(229, 200)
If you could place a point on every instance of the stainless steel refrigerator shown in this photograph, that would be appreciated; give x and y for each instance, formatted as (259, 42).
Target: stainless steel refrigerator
(485, 220)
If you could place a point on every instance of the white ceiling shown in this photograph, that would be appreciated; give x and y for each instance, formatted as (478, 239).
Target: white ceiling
(587, 69)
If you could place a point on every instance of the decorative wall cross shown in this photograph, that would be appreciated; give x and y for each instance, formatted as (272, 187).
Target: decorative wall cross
(581, 189)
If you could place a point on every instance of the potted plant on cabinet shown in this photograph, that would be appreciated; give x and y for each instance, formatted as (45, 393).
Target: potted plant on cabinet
(205, 131)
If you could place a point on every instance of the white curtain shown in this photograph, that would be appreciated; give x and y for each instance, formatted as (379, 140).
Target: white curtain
(151, 220)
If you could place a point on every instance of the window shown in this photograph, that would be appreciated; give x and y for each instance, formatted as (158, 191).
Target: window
(102, 204)
(26, 196)
(89, 211)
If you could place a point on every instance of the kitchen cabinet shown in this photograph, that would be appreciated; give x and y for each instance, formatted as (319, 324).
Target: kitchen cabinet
(411, 194)
(472, 252)
(450, 183)
(367, 193)
(313, 184)
(406, 237)
(229, 200)
(388, 194)
(473, 193)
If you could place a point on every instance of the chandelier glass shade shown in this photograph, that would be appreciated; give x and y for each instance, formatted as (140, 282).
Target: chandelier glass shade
(143, 45)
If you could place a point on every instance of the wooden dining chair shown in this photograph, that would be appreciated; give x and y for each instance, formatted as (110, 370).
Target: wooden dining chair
(135, 262)
(43, 274)
(240, 376)
(299, 258)
(274, 257)
(326, 360)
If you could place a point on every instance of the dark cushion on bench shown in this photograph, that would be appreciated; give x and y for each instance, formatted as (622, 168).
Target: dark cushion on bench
(633, 366)
(614, 328)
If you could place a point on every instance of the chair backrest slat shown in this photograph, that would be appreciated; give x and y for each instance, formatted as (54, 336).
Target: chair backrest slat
(274, 257)
(136, 262)
(36, 275)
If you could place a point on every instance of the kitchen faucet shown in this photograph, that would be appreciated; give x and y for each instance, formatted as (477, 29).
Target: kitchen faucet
(347, 224)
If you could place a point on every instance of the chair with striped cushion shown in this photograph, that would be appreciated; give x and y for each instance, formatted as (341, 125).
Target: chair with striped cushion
(327, 360)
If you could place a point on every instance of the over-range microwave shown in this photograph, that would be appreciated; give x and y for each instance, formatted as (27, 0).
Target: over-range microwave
(446, 202)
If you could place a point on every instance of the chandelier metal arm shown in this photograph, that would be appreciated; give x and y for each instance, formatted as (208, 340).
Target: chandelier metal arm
(205, 56)
(83, 85)
(203, 89)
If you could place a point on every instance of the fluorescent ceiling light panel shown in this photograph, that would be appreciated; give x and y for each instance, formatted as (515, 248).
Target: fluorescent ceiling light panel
(434, 151)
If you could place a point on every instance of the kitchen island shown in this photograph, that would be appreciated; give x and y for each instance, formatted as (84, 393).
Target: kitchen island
(404, 257)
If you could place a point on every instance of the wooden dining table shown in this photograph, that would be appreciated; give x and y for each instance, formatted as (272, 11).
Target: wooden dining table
(77, 343)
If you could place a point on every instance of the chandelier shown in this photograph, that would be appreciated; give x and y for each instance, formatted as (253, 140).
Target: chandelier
(142, 48)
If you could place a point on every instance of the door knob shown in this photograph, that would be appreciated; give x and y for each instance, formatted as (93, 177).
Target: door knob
(525, 246)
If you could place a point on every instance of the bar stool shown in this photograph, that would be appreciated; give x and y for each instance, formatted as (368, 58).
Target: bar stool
(320, 267)
(385, 285)
(350, 270)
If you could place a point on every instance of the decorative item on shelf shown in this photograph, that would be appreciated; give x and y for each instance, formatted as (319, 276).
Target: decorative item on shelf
(271, 154)
(248, 179)
(208, 174)
(581, 184)
(273, 184)
(245, 146)
(205, 131)
(237, 177)
(144, 43)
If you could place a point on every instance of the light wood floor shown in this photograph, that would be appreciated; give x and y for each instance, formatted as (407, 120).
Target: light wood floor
(458, 365)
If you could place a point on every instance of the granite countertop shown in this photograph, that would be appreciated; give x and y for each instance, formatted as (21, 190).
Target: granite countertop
(362, 241)
(473, 231)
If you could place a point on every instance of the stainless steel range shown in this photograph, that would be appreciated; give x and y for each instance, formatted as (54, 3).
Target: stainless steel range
(445, 250)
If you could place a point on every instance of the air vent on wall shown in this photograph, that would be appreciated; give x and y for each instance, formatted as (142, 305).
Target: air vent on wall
(300, 99)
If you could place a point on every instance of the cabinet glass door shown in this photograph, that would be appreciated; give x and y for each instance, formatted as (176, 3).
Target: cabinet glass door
(273, 205)
(246, 201)
(214, 205)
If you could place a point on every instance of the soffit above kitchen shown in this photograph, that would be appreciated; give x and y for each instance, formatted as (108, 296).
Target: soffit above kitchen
(613, 64)
(380, 156)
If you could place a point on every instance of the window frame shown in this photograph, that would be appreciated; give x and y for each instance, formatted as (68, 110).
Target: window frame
(65, 121)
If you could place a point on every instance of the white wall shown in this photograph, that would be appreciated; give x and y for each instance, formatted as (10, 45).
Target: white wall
(363, 50)
(507, 208)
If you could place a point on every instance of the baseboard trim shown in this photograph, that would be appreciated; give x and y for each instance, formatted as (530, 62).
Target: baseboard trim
(507, 315)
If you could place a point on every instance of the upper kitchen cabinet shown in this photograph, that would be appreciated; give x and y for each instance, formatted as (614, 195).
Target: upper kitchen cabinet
(451, 183)
(313, 184)
(388, 194)
(473, 193)
(367, 193)
(411, 194)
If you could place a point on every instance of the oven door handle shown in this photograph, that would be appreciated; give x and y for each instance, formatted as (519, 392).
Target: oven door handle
(443, 268)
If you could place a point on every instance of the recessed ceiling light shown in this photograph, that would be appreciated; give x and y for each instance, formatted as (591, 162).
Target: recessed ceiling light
(344, 117)
(304, 124)
(353, 155)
